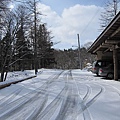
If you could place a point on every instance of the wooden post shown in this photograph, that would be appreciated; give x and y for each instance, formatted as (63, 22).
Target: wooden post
(115, 61)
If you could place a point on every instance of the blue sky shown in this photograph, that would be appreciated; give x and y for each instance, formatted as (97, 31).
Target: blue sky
(59, 5)
(67, 18)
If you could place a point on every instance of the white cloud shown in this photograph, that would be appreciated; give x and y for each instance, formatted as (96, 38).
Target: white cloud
(77, 19)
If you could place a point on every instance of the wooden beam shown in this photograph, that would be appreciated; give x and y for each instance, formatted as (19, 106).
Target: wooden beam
(115, 32)
(105, 44)
(96, 49)
(101, 46)
(111, 42)
(108, 45)
(115, 61)
(106, 50)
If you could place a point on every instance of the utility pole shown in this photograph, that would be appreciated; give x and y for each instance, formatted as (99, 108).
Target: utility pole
(79, 54)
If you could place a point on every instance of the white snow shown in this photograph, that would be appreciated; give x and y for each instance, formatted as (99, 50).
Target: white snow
(60, 95)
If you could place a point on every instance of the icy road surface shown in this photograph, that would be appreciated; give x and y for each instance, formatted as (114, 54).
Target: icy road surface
(61, 95)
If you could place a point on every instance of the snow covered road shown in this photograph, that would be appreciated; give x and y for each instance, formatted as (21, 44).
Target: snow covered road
(61, 95)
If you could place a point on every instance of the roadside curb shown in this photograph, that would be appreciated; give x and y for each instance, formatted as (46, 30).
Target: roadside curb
(8, 84)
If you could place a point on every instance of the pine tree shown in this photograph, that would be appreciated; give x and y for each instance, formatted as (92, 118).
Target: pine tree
(21, 48)
(44, 50)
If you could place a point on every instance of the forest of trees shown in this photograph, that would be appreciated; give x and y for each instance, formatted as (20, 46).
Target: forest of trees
(71, 60)
(25, 42)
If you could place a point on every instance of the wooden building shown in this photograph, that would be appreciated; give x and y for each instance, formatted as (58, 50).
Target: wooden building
(107, 45)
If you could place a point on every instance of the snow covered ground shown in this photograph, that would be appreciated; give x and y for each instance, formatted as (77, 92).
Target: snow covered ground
(60, 95)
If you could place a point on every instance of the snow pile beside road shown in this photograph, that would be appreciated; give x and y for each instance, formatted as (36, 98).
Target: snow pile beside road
(17, 75)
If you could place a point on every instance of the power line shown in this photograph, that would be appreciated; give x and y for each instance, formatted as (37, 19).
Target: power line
(92, 18)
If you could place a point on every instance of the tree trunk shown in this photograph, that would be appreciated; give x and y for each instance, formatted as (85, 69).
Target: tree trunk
(2, 76)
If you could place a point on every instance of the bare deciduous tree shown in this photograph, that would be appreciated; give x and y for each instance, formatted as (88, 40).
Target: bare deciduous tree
(6, 44)
(110, 10)
(32, 6)
(3, 7)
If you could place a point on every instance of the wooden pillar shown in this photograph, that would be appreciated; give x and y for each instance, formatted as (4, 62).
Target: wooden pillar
(115, 61)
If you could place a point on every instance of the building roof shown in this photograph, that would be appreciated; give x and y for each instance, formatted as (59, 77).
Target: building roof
(109, 37)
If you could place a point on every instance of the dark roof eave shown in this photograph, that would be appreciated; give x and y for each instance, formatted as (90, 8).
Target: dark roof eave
(99, 40)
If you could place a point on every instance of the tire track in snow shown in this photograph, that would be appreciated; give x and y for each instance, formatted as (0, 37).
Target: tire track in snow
(6, 100)
(116, 89)
(70, 104)
(12, 107)
(25, 100)
(70, 107)
(50, 109)
(38, 109)
(66, 104)
(49, 80)
(87, 93)
(81, 106)
(48, 112)
(25, 111)
(94, 98)
(35, 112)
(85, 105)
